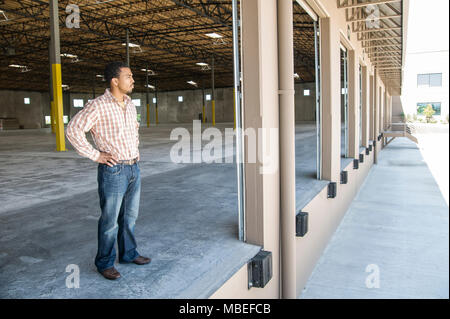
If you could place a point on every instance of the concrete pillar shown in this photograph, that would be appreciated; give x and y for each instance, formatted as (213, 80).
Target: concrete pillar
(330, 76)
(376, 115)
(386, 109)
(365, 107)
(55, 62)
(380, 110)
(388, 117)
(376, 104)
(287, 147)
(372, 108)
(382, 107)
(353, 105)
(261, 111)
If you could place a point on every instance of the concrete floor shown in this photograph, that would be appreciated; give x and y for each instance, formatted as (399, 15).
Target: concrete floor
(398, 227)
(188, 221)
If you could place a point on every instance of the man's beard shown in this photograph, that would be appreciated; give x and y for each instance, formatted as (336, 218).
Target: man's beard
(128, 91)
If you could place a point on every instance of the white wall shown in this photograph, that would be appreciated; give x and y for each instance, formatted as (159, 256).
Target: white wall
(424, 63)
(427, 48)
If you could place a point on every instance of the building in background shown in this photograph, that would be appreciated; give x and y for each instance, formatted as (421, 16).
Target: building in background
(426, 79)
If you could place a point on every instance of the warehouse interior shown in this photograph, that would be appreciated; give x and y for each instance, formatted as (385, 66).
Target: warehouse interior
(307, 110)
(181, 59)
(191, 221)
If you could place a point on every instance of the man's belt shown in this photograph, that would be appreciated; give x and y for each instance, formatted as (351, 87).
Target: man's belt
(128, 162)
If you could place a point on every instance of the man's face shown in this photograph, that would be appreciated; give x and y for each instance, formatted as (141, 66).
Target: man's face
(125, 81)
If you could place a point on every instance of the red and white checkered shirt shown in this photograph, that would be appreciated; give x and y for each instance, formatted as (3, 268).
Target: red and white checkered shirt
(115, 130)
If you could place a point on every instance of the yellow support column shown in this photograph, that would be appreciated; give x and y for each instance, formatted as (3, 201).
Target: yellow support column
(58, 107)
(55, 63)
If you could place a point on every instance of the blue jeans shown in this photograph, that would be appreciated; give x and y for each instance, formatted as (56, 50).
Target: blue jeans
(119, 189)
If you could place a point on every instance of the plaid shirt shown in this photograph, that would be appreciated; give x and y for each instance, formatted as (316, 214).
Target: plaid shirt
(114, 130)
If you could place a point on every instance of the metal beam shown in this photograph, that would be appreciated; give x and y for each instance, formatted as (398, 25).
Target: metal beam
(240, 169)
(378, 30)
(380, 46)
(187, 5)
(387, 68)
(365, 4)
(375, 18)
(381, 38)
(378, 53)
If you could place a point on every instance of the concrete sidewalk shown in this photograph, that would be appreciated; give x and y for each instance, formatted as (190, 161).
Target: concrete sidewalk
(395, 235)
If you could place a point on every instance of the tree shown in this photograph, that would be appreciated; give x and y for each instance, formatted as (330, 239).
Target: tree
(428, 112)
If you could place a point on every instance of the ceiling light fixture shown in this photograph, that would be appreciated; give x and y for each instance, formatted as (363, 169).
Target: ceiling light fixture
(217, 38)
(192, 83)
(205, 66)
(131, 45)
(23, 68)
(214, 35)
(150, 72)
(68, 55)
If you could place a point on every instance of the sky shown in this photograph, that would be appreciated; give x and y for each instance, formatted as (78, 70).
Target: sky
(428, 25)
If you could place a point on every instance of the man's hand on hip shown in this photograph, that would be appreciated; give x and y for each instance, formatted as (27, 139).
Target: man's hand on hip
(106, 158)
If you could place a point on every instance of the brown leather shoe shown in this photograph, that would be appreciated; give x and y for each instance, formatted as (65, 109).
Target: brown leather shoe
(141, 260)
(111, 273)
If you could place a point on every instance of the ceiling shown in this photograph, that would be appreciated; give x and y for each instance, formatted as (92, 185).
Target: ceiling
(378, 25)
(171, 39)
(171, 35)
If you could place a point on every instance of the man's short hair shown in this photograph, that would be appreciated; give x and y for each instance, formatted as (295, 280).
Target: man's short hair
(112, 70)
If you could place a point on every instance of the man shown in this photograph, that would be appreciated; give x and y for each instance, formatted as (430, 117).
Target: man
(112, 121)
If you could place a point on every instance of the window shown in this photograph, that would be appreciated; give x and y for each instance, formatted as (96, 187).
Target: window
(65, 119)
(137, 102)
(138, 117)
(436, 107)
(78, 103)
(154, 100)
(429, 80)
(26, 100)
(208, 97)
(48, 120)
(180, 98)
(436, 80)
(306, 92)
